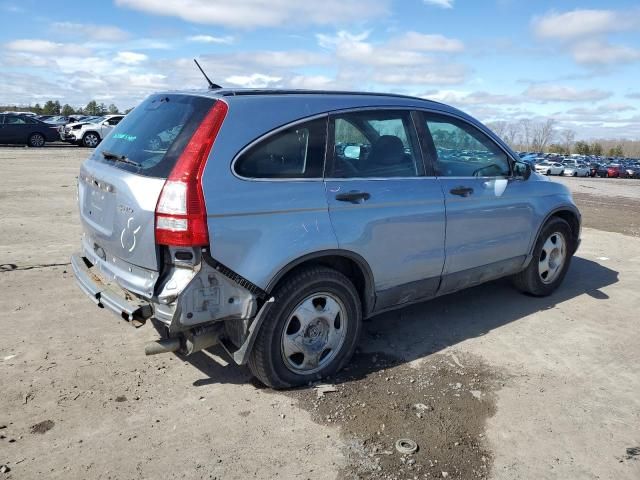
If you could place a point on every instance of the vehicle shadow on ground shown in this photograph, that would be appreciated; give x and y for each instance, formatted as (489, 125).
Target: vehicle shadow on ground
(422, 329)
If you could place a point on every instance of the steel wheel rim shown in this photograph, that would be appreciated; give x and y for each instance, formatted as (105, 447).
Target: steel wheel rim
(552, 257)
(91, 140)
(37, 140)
(314, 333)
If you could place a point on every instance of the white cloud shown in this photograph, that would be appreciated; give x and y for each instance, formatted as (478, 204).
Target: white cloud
(283, 59)
(440, 3)
(130, 58)
(387, 63)
(602, 52)
(34, 46)
(261, 13)
(311, 82)
(605, 109)
(558, 93)
(211, 39)
(104, 33)
(634, 95)
(255, 80)
(583, 23)
(584, 34)
(427, 43)
(462, 98)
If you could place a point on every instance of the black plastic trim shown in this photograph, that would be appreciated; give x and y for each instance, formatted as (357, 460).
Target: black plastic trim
(233, 276)
(370, 294)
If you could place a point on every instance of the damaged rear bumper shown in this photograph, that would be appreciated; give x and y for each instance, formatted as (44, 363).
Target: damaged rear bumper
(108, 295)
(197, 305)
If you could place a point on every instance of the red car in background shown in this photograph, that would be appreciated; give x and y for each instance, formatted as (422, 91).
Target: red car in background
(615, 171)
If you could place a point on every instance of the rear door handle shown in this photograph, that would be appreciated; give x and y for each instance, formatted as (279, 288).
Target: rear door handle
(353, 197)
(461, 191)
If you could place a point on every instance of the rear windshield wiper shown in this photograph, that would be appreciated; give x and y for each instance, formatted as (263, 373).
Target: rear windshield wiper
(119, 158)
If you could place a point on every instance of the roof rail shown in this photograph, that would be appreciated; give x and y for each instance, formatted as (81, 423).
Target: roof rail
(228, 92)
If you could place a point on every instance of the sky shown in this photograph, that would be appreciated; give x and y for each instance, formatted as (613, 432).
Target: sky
(577, 62)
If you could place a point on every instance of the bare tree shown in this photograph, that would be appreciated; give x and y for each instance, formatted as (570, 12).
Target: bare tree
(511, 134)
(525, 133)
(568, 136)
(499, 128)
(542, 134)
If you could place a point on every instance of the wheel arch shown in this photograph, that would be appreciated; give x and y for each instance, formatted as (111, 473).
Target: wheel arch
(349, 263)
(37, 132)
(571, 215)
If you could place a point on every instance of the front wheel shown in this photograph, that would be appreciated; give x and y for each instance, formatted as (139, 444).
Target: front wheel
(36, 140)
(310, 332)
(90, 140)
(551, 259)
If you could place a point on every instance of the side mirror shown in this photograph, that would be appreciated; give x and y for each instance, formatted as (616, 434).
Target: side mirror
(522, 170)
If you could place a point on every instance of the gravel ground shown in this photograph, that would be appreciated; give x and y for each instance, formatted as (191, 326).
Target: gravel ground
(487, 382)
(610, 204)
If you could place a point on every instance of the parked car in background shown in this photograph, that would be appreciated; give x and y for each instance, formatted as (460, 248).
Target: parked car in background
(58, 120)
(615, 171)
(593, 169)
(602, 170)
(230, 217)
(631, 171)
(576, 170)
(547, 168)
(26, 130)
(90, 132)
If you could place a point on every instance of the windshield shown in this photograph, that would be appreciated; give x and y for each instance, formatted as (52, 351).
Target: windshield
(155, 133)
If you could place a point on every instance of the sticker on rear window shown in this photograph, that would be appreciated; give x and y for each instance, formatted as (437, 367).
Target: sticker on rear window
(125, 136)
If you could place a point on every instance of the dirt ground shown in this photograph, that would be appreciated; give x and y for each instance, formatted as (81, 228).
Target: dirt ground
(488, 383)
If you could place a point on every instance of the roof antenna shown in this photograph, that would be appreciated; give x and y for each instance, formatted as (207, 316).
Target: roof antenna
(212, 86)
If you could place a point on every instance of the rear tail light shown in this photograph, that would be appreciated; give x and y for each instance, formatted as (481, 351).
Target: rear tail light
(181, 214)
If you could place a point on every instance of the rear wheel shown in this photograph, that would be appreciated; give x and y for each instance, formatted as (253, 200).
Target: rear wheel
(36, 140)
(310, 332)
(90, 140)
(550, 262)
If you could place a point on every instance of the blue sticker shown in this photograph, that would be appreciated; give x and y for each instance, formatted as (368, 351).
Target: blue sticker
(125, 136)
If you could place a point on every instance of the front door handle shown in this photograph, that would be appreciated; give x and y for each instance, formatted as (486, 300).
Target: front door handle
(461, 191)
(353, 197)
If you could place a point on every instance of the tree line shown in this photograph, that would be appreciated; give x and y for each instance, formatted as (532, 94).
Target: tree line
(531, 136)
(53, 107)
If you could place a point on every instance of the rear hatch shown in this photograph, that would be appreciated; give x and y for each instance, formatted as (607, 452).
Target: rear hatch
(119, 187)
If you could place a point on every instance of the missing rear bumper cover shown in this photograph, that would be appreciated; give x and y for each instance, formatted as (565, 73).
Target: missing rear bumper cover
(233, 276)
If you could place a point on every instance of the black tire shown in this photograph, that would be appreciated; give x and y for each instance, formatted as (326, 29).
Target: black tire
(529, 280)
(266, 360)
(90, 140)
(36, 140)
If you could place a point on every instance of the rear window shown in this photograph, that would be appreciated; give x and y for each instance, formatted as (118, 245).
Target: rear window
(154, 134)
(294, 152)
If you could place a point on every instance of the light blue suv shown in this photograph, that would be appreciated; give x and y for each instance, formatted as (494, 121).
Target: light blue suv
(273, 222)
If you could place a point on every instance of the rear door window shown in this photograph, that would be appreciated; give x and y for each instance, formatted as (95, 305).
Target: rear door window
(155, 133)
(294, 152)
(15, 120)
(374, 144)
